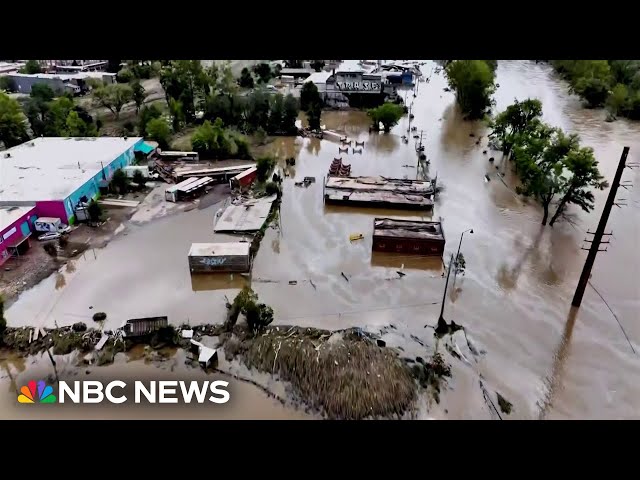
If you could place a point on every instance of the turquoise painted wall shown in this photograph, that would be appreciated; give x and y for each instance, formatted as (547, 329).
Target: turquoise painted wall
(91, 189)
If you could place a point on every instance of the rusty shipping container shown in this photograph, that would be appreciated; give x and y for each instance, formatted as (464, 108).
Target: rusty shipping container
(220, 257)
(408, 237)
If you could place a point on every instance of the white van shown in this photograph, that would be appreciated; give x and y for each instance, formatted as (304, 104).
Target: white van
(50, 224)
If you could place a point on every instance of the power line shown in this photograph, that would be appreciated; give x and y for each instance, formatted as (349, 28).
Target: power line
(614, 316)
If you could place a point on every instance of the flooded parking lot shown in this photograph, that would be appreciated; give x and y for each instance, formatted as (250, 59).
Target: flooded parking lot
(513, 299)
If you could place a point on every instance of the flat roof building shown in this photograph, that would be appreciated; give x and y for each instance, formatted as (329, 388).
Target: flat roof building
(415, 237)
(15, 230)
(54, 173)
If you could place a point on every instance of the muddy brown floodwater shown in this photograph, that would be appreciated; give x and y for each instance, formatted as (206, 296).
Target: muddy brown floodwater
(513, 300)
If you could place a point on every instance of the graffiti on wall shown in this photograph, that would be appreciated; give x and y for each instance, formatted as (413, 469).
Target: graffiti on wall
(213, 261)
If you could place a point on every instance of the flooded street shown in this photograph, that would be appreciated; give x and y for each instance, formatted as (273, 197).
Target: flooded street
(513, 300)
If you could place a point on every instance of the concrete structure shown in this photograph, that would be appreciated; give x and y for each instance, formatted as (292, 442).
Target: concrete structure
(220, 257)
(408, 237)
(15, 229)
(55, 173)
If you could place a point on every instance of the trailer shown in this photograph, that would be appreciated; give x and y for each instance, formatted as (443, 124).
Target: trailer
(194, 188)
(220, 257)
(244, 179)
(138, 327)
(171, 194)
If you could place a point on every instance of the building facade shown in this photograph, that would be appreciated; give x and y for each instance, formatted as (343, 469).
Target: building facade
(16, 224)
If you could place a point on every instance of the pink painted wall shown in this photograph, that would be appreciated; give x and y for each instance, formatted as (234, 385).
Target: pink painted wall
(17, 235)
(52, 208)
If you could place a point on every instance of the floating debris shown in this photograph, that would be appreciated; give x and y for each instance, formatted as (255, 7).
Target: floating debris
(355, 236)
(505, 405)
(344, 276)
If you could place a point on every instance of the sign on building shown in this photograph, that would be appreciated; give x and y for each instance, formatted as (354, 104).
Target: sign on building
(360, 86)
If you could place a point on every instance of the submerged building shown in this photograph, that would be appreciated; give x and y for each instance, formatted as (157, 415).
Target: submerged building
(414, 237)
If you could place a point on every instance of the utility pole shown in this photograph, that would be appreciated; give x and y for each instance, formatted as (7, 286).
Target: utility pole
(599, 233)
(444, 295)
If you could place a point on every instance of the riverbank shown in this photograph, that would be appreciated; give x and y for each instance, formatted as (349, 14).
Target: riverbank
(345, 374)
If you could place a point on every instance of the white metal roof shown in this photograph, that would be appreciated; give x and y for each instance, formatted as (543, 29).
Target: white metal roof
(182, 184)
(8, 215)
(219, 249)
(51, 168)
(246, 217)
(48, 219)
(201, 182)
(318, 77)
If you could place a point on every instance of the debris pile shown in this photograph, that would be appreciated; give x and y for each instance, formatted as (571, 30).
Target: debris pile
(344, 374)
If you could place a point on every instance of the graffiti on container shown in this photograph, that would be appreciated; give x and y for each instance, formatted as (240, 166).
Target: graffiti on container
(213, 261)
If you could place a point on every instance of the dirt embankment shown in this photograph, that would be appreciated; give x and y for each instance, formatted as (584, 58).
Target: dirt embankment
(344, 374)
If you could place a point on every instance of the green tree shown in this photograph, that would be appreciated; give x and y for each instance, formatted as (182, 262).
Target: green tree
(125, 76)
(211, 140)
(113, 97)
(276, 114)
(290, 115)
(584, 174)
(246, 79)
(77, 127)
(389, 114)
(7, 84)
(473, 82)
(138, 179)
(177, 111)
(263, 71)
(139, 94)
(13, 128)
(617, 101)
(119, 182)
(158, 130)
(147, 113)
(256, 110)
(42, 91)
(31, 67)
(113, 66)
(514, 120)
(185, 81)
(55, 123)
(95, 211)
(264, 165)
(309, 95)
(317, 65)
(314, 114)
(538, 154)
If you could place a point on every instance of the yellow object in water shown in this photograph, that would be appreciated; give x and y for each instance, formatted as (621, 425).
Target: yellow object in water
(356, 236)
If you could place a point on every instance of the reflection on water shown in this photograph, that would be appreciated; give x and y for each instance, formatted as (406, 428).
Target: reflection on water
(512, 300)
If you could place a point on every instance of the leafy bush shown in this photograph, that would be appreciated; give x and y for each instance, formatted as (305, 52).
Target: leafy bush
(264, 165)
(138, 178)
(272, 188)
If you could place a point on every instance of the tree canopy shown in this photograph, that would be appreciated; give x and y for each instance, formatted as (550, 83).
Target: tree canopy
(31, 67)
(389, 114)
(473, 82)
(158, 129)
(552, 166)
(13, 127)
(113, 97)
(614, 84)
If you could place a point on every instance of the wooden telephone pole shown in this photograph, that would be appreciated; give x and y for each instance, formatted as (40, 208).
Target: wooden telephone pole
(599, 233)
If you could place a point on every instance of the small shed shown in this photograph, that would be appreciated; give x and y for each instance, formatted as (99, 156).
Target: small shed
(220, 257)
(408, 237)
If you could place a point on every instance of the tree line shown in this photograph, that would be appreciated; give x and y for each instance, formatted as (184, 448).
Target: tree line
(614, 84)
(552, 165)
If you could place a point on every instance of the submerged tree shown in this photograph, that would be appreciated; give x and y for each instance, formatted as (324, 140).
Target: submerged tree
(246, 79)
(514, 120)
(389, 114)
(473, 82)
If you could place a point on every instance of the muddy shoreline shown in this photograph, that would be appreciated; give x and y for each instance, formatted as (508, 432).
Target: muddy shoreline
(343, 374)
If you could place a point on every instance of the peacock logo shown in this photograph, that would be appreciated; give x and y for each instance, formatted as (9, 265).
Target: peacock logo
(38, 392)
